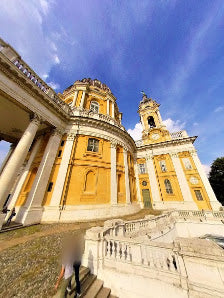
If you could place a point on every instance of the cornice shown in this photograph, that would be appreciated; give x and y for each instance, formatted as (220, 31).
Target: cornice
(12, 72)
(167, 143)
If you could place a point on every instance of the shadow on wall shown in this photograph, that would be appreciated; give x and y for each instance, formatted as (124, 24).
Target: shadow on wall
(90, 261)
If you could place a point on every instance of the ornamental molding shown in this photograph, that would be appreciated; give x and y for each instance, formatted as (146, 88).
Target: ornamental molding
(174, 154)
(36, 119)
(193, 152)
(57, 132)
(71, 136)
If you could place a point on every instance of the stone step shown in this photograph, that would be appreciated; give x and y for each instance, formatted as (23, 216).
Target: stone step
(87, 284)
(112, 296)
(94, 289)
(103, 293)
(83, 275)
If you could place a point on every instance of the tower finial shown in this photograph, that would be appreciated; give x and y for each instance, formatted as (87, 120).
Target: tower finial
(144, 96)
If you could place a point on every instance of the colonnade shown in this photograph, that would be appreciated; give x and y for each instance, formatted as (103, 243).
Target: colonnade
(14, 163)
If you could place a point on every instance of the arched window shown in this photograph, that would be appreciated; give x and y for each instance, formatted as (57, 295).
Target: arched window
(90, 182)
(168, 186)
(119, 183)
(93, 145)
(94, 107)
(151, 122)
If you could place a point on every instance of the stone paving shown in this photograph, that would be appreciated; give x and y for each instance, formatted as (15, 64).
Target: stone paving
(30, 257)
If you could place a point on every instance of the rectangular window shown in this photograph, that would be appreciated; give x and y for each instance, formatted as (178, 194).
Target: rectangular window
(62, 143)
(50, 187)
(59, 153)
(93, 145)
(187, 164)
(142, 168)
(198, 195)
(162, 164)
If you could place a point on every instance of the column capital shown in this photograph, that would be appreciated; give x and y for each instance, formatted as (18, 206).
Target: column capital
(125, 149)
(36, 119)
(113, 144)
(57, 132)
(193, 152)
(148, 157)
(71, 136)
(174, 154)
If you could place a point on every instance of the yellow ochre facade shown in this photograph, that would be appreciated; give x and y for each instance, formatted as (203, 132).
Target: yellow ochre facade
(100, 171)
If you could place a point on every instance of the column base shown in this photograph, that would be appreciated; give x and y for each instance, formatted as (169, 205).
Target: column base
(28, 216)
(2, 219)
(181, 205)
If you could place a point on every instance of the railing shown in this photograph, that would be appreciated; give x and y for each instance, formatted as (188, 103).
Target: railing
(90, 114)
(14, 58)
(179, 135)
(152, 255)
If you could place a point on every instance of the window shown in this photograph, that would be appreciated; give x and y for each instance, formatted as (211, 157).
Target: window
(62, 143)
(187, 163)
(90, 182)
(142, 168)
(168, 186)
(198, 195)
(94, 107)
(162, 164)
(93, 145)
(50, 187)
(151, 122)
(59, 153)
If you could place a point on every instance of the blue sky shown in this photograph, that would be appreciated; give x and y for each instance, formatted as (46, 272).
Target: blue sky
(173, 50)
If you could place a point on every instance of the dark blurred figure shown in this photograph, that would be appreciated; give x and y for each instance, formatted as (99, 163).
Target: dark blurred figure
(13, 213)
(71, 262)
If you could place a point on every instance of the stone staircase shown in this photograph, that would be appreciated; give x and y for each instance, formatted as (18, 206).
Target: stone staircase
(91, 287)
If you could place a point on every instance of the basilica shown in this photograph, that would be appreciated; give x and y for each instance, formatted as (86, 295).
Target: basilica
(71, 158)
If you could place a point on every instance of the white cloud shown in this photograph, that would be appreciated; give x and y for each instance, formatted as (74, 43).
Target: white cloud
(30, 39)
(219, 109)
(136, 133)
(56, 59)
(171, 125)
(207, 169)
(53, 85)
(174, 126)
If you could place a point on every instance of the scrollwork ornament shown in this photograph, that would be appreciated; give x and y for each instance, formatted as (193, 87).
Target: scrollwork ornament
(36, 119)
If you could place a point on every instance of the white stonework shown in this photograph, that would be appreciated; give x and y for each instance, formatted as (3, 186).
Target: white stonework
(137, 185)
(82, 99)
(59, 185)
(127, 184)
(16, 160)
(74, 98)
(24, 174)
(153, 180)
(213, 200)
(185, 190)
(33, 206)
(113, 179)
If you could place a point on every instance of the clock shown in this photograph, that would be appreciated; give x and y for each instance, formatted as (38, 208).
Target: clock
(155, 136)
(144, 183)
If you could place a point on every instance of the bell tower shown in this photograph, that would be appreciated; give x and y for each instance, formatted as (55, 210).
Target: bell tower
(154, 131)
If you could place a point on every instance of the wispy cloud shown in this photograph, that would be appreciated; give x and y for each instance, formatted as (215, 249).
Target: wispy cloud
(54, 85)
(219, 109)
(136, 132)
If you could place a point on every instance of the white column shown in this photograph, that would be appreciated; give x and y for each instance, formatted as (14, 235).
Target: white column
(33, 208)
(113, 177)
(59, 184)
(152, 179)
(75, 98)
(127, 183)
(17, 159)
(159, 117)
(185, 190)
(82, 99)
(143, 124)
(108, 106)
(113, 109)
(12, 147)
(213, 200)
(137, 184)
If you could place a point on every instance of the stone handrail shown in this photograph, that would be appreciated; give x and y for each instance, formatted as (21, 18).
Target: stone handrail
(90, 114)
(154, 255)
(14, 58)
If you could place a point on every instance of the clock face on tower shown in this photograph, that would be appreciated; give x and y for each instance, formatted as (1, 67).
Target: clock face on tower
(155, 136)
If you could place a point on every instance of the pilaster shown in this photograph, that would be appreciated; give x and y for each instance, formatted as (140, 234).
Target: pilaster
(127, 183)
(113, 180)
(152, 178)
(75, 98)
(33, 206)
(213, 200)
